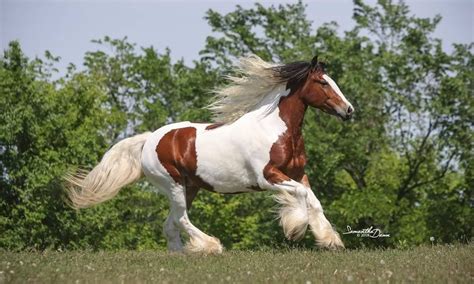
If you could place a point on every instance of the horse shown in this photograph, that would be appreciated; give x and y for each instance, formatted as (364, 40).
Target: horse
(255, 144)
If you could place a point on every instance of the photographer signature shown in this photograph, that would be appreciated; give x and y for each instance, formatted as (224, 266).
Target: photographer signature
(370, 232)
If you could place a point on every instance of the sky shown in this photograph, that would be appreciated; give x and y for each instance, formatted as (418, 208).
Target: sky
(66, 28)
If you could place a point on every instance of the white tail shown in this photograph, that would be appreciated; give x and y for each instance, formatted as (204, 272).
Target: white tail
(120, 166)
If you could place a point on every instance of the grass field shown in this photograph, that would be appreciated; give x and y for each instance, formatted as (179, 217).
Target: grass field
(421, 264)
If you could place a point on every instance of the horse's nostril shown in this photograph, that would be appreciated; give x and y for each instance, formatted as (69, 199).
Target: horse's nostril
(350, 110)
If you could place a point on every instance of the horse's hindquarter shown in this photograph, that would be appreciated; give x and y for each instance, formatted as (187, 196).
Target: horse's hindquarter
(152, 166)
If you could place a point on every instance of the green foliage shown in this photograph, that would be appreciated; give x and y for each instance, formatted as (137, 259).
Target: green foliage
(404, 164)
(47, 126)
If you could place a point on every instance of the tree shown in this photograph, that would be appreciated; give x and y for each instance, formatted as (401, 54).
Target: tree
(45, 127)
(146, 88)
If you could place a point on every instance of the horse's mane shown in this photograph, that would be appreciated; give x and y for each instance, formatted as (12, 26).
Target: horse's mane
(257, 79)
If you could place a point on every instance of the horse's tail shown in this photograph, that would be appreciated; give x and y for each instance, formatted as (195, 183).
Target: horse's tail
(120, 166)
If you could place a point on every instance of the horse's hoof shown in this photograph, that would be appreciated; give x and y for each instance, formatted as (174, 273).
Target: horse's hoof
(208, 245)
(331, 241)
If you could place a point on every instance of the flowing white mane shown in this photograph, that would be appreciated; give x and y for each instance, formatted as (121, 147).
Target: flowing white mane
(244, 92)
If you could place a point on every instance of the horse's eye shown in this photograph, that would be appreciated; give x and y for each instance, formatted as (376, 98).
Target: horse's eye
(322, 82)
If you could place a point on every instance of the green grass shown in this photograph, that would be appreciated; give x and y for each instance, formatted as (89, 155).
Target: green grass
(454, 263)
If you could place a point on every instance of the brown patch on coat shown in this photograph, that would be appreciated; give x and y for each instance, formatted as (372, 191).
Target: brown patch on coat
(287, 154)
(214, 126)
(177, 153)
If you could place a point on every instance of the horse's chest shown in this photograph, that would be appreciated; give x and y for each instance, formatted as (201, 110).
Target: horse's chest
(288, 155)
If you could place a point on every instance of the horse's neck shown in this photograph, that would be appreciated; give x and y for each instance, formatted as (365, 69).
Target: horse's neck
(292, 111)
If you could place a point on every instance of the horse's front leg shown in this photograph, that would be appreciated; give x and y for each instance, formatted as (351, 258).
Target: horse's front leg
(292, 197)
(322, 230)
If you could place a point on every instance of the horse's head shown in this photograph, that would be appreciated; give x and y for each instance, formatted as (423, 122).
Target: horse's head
(320, 91)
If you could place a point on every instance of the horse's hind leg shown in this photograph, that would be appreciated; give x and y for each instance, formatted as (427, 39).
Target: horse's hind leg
(199, 242)
(171, 231)
(171, 228)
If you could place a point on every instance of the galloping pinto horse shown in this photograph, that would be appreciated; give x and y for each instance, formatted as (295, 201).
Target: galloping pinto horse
(256, 145)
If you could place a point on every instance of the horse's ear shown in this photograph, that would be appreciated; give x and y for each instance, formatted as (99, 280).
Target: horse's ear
(314, 62)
